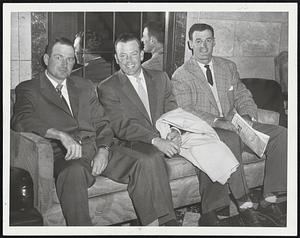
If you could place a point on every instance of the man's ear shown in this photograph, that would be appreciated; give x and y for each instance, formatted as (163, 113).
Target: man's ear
(189, 43)
(152, 39)
(142, 55)
(46, 59)
(116, 58)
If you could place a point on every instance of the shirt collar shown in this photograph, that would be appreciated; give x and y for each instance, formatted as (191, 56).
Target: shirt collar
(53, 82)
(141, 75)
(202, 65)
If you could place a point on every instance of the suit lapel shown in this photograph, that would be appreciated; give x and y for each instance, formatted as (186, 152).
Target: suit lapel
(152, 97)
(49, 92)
(200, 80)
(220, 83)
(73, 92)
(130, 92)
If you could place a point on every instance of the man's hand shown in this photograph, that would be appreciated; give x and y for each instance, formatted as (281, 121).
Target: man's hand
(248, 119)
(224, 124)
(74, 149)
(100, 161)
(174, 136)
(168, 147)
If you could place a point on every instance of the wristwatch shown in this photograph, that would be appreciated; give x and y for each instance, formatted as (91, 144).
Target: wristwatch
(106, 147)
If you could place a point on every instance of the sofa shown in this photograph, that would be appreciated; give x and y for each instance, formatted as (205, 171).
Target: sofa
(109, 202)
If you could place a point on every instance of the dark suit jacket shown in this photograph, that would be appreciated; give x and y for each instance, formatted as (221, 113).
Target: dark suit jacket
(38, 108)
(129, 118)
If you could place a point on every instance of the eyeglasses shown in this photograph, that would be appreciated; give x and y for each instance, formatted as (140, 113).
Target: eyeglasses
(206, 41)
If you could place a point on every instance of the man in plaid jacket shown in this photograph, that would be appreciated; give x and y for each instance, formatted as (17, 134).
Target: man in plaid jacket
(210, 88)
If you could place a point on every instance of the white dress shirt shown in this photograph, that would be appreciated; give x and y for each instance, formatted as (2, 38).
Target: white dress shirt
(132, 80)
(214, 87)
(64, 90)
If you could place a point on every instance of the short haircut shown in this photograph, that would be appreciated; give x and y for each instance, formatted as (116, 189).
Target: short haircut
(61, 40)
(125, 37)
(92, 40)
(155, 29)
(200, 27)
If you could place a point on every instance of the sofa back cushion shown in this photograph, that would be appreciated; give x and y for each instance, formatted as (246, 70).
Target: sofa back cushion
(267, 95)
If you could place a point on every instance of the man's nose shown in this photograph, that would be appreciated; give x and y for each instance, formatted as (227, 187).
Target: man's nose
(64, 62)
(203, 44)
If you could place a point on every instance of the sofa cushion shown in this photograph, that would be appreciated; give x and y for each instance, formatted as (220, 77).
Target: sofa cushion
(178, 167)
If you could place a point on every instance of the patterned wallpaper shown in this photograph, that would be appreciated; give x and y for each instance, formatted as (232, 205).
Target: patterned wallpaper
(251, 39)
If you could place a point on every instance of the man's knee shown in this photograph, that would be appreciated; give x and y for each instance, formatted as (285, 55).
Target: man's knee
(229, 137)
(73, 173)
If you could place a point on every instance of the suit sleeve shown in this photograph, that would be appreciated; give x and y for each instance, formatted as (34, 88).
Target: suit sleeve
(169, 98)
(124, 128)
(243, 100)
(185, 97)
(104, 133)
(25, 118)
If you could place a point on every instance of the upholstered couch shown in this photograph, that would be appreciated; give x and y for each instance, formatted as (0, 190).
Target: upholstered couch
(109, 201)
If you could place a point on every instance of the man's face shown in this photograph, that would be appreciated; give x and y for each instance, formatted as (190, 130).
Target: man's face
(129, 57)
(202, 44)
(146, 39)
(61, 61)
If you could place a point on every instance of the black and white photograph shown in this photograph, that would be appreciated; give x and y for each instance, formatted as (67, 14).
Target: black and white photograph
(150, 119)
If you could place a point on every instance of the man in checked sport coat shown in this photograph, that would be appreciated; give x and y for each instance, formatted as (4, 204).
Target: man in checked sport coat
(133, 121)
(215, 103)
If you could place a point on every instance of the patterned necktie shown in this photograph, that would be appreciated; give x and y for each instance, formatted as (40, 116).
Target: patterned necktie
(209, 75)
(58, 89)
(143, 96)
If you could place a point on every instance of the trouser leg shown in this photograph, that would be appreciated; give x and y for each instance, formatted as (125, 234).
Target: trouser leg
(237, 181)
(215, 195)
(276, 162)
(143, 168)
(72, 181)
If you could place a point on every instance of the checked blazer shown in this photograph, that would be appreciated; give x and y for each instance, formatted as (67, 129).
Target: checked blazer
(194, 94)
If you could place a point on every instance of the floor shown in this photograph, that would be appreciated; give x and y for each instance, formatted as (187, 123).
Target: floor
(189, 216)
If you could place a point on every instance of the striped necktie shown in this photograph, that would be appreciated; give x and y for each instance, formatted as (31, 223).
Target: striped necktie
(143, 96)
(58, 89)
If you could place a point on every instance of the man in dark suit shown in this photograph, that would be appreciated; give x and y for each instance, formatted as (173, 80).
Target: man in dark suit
(66, 110)
(210, 88)
(134, 99)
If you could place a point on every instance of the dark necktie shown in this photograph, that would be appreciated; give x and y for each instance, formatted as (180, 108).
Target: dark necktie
(58, 89)
(209, 75)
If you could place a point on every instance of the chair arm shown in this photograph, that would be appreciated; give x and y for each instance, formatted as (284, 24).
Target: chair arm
(34, 154)
(268, 117)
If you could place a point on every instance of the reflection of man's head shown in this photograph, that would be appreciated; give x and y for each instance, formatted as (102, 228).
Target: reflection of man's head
(86, 43)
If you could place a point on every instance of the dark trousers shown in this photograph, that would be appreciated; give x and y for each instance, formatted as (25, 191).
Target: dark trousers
(214, 195)
(72, 180)
(275, 179)
(143, 168)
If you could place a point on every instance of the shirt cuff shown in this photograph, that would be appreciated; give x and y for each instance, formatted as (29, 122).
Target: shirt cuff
(176, 129)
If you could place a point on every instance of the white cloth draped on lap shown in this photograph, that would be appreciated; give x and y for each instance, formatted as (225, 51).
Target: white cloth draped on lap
(200, 144)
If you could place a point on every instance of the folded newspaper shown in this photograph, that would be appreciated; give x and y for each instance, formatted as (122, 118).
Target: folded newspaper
(255, 140)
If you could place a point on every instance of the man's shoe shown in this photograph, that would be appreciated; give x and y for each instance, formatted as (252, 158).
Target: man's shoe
(209, 219)
(250, 217)
(273, 212)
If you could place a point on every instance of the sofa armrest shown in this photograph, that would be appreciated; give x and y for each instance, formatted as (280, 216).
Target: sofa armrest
(34, 154)
(268, 117)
